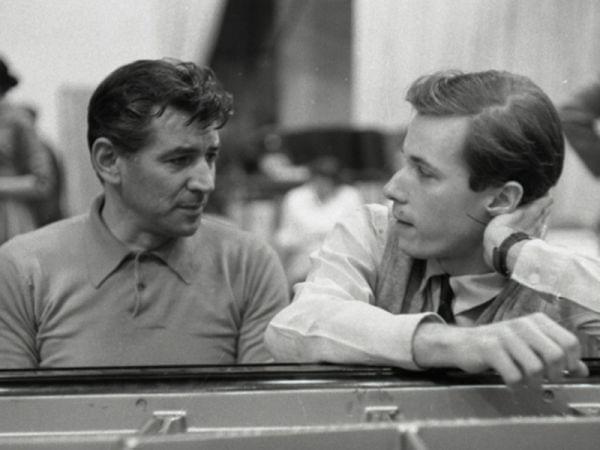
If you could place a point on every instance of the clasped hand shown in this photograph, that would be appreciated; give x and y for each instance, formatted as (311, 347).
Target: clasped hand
(522, 350)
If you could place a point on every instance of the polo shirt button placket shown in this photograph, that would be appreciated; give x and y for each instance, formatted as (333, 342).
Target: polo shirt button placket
(140, 286)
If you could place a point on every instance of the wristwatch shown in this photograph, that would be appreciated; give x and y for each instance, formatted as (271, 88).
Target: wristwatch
(499, 253)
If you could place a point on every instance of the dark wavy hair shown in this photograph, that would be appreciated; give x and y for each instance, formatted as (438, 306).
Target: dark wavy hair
(515, 132)
(123, 106)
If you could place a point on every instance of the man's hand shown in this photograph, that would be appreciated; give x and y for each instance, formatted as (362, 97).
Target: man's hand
(521, 350)
(530, 219)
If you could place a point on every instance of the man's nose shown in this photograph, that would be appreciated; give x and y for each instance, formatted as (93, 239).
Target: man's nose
(202, 177)
(395, 188)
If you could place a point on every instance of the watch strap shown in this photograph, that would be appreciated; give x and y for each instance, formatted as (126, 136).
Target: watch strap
(499, 254)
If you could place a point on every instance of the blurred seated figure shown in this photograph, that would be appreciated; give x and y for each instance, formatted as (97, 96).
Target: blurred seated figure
(50, 208)
(25, 168)
(309, 212)
(579, 116)
(577, 197)
(145, 278)
(276, 164)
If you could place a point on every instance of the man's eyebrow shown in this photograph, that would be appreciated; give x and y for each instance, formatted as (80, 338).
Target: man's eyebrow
(421, 161)
(184, 149)
(416, 159)
(179, 150)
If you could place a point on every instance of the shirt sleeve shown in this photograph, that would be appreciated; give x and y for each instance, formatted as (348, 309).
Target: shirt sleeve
(332, 317)
(17, 323)
(266, 293)
(557, 271)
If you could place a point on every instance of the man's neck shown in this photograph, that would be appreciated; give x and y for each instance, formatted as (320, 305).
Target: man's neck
(117, 220)
(472, 264)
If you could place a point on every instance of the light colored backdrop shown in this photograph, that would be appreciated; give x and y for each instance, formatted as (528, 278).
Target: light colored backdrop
(63, 48)
(554, 42)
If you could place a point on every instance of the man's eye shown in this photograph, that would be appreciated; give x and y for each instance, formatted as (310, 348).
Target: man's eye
(181, 161)
(212, 157)
(423, 172)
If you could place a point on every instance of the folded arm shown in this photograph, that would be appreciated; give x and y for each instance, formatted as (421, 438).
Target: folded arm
(332, 317)
(525, 349)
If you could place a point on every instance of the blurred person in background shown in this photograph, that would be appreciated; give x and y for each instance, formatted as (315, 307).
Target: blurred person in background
(275, 163)
(579, 116)
(25, 167)
(309, 212)
(48, 209)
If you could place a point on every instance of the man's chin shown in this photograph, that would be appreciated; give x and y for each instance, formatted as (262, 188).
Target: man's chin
(412, 253)
(406, 244)
(412, 250)
(186, 228)
(190, 230)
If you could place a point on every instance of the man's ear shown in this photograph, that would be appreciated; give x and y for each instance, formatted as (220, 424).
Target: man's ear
(505, 199)
(104, 157)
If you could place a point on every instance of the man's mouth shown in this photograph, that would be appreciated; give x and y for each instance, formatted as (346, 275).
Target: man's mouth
(402, 220)
(193, 206)
(404, 223)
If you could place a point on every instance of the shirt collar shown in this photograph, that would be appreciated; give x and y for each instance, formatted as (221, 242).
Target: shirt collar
(105, 252)
(178, 254)
(470, 291)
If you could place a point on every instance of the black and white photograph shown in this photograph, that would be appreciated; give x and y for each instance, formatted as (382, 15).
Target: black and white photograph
(299, 224)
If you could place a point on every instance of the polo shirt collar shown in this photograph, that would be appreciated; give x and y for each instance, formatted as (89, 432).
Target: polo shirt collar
(105, 252)
(470, 291)
(179, 254)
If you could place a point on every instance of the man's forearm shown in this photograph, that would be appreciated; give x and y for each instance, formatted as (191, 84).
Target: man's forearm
(434, 344)
(342, 331)
(521, 349)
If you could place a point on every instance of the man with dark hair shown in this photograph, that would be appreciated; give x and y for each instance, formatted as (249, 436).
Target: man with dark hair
(144, 278)
(443, 277)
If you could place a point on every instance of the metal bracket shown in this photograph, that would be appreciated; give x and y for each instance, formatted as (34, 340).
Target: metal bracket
(382, 413)
(165, 422)
(585, 409)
